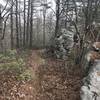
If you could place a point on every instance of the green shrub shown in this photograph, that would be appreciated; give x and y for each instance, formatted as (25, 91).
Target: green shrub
(8, 56)
(12, 52)
(25, 76)
(14, 67)
(13, 63)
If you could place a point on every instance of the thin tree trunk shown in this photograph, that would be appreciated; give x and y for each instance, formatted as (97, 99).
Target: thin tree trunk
(31, 24)
(57, 17)
(24, 34)
(17, 34)
(20, 31)
(28, 24)
(12, 40)
(44, 17)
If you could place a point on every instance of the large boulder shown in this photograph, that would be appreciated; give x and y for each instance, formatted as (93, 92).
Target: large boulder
(91, 83)
(63, 44)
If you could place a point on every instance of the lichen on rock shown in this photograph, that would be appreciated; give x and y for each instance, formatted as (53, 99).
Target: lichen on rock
(91, 83)
(63, 44)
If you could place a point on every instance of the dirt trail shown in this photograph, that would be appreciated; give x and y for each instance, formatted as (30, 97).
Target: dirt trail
(36, 60)
(12, 89)
(51, 81)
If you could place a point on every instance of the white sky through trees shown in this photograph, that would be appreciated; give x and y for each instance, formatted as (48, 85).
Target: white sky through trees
(52, 7)
(3, 2)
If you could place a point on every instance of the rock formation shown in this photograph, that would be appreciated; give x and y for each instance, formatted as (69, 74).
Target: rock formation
(91, 83)
(63, 44)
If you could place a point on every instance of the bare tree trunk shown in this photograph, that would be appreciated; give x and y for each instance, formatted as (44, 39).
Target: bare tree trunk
(37, 30)
(28, 24)
(44, 20)
(24, 34)
(12, 40)
(17, 33)
(1, 42)
(57, 17)
(31, 24)
(0, 24)
(20, 31)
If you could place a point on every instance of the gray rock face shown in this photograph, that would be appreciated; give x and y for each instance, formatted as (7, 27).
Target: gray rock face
(91, 83)
(63, 44)
(91, 88)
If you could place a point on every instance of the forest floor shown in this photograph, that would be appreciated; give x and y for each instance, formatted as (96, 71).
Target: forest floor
(56, 79)
(52, 79)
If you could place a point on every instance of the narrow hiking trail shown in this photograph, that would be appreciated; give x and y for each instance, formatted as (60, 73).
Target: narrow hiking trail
(12, 87)
(50, 81)
(35, 60)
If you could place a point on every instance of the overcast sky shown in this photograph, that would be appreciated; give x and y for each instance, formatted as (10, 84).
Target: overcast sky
(2, 2)
(53, 3)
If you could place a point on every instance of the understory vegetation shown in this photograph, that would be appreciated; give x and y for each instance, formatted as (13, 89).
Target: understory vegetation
(15, 75)
(11, 62)
(47, 49)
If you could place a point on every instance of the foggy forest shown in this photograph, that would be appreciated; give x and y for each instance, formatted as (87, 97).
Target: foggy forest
(49, 49)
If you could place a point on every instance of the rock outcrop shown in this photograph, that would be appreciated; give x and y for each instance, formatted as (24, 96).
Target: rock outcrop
(63, 44)
(91, 83)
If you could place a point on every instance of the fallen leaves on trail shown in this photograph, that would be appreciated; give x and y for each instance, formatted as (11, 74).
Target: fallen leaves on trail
(52, 80)
(59, 82)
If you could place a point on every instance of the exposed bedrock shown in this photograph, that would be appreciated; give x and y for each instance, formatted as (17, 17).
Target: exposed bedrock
(91, 83)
